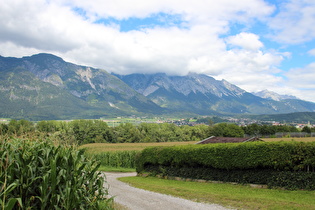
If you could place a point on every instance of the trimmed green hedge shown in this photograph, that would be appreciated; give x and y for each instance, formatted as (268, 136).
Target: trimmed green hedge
(274, 164)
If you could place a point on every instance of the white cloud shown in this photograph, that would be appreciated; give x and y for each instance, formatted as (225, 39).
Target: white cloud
(54, 28)
(36, 24)
(302, 79)
(251, 70)
(29, 27)
(294, 23)
(197, 10)
(8, 49)
(311, 52)
(247, 41)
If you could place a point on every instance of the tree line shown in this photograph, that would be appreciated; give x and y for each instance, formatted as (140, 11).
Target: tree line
(97, 131)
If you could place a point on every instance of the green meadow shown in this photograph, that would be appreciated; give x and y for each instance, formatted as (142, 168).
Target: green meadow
(229, 195)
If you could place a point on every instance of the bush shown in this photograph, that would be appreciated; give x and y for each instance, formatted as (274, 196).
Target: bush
(275, 163)
(290, 156)
(39, 175)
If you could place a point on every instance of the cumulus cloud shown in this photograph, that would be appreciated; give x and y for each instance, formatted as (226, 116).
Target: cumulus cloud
(247, 41)
(293, 24)
(54, 26)
(302, 79)
(198, 10)
(9, 49)
(311, 52)
(251, 70)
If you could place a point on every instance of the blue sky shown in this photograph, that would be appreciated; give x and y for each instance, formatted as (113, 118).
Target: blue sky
(254, 44)
(137, 24)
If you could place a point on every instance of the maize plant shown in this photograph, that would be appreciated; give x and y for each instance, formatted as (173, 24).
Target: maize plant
(123, 159)
(39, 175)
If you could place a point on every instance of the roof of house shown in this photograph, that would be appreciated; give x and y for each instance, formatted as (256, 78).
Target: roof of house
(214, 139)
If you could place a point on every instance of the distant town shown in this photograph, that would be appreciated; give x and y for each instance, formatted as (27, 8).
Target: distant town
(206, 120)
(202, 120)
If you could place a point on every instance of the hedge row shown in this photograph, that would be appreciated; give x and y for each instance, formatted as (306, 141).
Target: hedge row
(275, 164)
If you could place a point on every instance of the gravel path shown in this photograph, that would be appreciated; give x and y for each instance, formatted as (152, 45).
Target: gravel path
(138, 199)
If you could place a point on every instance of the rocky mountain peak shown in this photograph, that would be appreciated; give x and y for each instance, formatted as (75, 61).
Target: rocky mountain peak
(273, 95)
(43, 57)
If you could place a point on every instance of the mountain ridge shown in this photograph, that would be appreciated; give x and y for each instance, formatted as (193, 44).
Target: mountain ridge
(44, 86)
(204, 95)
(98, 92)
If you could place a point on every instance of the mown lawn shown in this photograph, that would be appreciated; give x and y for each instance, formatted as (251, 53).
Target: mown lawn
(228, 195)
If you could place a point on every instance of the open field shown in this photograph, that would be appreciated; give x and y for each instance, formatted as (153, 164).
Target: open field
(303, 139)
(119, 157)
(112, 122)
(110, 147)
(229, 195)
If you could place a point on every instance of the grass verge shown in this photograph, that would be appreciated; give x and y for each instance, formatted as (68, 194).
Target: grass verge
(235, 196)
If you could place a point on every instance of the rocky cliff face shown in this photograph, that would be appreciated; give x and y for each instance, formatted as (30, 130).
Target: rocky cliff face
(185, 85)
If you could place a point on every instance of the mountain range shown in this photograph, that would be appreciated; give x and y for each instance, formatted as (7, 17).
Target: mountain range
(273, 96)
(44, 86)
(204, 95)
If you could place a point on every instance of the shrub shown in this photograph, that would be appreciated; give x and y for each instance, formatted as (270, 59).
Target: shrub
(274, 163)
(39, 175)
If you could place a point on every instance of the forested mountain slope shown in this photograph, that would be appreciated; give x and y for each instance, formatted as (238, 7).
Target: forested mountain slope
(44, 86)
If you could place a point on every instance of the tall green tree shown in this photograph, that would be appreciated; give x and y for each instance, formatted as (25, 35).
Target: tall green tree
(90, 131)
(226, 130)
(306, 129)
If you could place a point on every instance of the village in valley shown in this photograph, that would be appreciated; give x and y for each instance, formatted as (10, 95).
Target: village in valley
(207, 120)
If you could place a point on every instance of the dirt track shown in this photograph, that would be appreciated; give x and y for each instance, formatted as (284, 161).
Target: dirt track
(138, 199)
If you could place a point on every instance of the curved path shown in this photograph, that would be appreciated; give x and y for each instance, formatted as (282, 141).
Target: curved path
(138, 199)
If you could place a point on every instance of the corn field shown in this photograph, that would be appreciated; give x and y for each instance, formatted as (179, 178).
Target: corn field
(39, 175)
(123, 159)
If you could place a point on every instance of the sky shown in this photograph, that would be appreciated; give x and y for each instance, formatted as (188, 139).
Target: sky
(254, 44)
